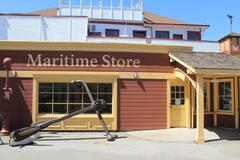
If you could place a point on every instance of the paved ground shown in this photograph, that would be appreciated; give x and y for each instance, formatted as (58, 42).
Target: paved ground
(169, 144)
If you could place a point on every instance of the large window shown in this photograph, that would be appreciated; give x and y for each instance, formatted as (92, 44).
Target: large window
(225, 96)
(162, 34)
(177, 95)
(64, 98)
(112, 33)
(141, 34)
(195, 36)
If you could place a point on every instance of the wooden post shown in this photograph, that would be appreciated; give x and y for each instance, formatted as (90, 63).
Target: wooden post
(200, 110)
(215, 103)
(236, 86)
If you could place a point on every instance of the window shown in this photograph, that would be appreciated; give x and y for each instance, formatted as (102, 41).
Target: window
(162, 34)
(64, 98)
(95, 34)
(225, 96)
(177, 36)
(141, 34)
(235, 44)
(112, 33)
(195, 36)
(206, 99)
(177, 95)
(206, 92)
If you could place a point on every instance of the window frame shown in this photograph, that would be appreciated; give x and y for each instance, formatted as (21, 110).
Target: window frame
(179, 92)
(159, 31)
(232, 96)
(198, 33)
(143, 31)
(106, 31)
(68, 103)
(208, 107)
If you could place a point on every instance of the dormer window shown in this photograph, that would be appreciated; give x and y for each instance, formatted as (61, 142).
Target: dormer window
(162, 34)
(112, 32)
(194, 35)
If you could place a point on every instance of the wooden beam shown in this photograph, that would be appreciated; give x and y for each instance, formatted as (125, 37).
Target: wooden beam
(236, 88)
(200, 110)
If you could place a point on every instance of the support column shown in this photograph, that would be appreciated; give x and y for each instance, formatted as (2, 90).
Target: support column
(168, 103)
(236, 88)
(200, 110)
(215, 103)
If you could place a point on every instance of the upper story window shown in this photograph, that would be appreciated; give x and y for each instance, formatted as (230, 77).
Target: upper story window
(142, 34)
(112, 32)
(162, 34)
(177, 36)
(193, 35)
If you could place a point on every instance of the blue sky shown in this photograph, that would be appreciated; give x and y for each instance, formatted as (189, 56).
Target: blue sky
(212, 12)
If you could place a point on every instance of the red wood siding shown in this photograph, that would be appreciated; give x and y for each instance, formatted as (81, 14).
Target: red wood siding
(21, 104)
(208, 120)
(150, 62)
(226, 121)
(142, 104)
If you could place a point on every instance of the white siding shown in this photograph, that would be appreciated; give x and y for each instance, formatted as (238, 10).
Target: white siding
(124, 30)
(35, 28)
(19, 28)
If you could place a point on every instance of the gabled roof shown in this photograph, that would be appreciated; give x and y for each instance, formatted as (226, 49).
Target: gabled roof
(206, 60)
(230, 35)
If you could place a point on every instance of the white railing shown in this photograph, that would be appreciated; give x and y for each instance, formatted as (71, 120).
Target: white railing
(198, 46)
(132, 13)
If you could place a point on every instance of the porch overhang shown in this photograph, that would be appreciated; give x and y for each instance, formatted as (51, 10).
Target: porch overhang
(204, 65)
(207, 63)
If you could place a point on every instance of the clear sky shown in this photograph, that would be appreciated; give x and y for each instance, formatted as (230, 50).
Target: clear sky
(212, 12)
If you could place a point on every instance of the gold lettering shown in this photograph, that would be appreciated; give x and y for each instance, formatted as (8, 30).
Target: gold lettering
(93, 62)
(46, 62)
(55, 60)
(136, 63)
(37, 61)
(121, 63)
(106, 62)
(82, 62)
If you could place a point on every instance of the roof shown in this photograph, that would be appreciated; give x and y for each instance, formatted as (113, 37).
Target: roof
(46, 12)
(230, 35)
(207, 60)
(155, 19)
(149, 18)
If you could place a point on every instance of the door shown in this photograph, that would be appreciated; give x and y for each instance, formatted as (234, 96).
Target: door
(177, 107)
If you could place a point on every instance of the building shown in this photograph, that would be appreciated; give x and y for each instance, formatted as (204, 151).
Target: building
(155, 72)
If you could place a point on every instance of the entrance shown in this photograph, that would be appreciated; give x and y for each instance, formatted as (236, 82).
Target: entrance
(178, 109)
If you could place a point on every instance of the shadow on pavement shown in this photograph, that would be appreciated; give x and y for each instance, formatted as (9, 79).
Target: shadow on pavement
(225, 134)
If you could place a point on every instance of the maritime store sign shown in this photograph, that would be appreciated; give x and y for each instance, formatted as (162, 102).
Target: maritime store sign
(73, 61)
